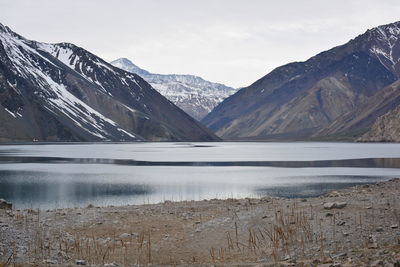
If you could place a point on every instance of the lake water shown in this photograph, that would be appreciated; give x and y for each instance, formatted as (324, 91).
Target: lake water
(74, 175)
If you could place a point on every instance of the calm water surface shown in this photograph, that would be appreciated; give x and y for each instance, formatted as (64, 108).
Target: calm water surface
(71, 175)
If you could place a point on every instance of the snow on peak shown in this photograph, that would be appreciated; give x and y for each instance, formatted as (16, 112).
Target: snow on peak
(127, 65)
(386, 43)
(28, 60)
(193, 94)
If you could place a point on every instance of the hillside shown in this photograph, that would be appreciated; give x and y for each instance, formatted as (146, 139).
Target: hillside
(61, 92)
(301, 100)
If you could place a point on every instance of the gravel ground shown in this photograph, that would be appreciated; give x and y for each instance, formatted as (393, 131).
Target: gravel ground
(357, 226)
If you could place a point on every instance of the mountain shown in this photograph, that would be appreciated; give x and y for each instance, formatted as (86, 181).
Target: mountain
(61, 92)
(196, 96)
(321, 97)
(385, 129)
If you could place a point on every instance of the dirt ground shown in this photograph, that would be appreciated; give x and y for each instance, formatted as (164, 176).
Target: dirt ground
(357, 226)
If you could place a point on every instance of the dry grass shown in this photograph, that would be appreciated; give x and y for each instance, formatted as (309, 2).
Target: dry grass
(213, 232)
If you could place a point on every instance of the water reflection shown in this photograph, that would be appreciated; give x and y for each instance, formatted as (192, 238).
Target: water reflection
(321, 186)
(354, 163)
(50, 190)
(52, 176)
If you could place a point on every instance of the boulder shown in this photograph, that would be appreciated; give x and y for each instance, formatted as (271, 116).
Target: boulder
(4, 205)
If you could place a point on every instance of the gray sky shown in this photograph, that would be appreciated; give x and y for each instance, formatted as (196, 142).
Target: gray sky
(234, 42)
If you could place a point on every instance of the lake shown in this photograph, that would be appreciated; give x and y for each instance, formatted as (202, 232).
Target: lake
(48, 176)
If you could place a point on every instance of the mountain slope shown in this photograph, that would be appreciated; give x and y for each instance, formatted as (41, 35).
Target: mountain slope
(62, 92)
(196, 96)
(300, 99)
(361, 118)
(385, 129)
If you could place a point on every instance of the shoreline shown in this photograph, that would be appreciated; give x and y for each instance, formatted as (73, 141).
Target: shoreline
(356, 226)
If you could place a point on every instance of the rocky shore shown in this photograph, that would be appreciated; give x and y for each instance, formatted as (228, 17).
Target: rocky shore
(357, 226)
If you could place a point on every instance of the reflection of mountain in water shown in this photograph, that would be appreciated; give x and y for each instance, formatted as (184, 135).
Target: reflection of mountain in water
(314, 189)
(20, 185)
(354, 163)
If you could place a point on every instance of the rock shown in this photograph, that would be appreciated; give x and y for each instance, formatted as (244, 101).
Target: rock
(379, 229)
(48, 261)
(4, 205)
(340, 255)
(341, 205)
(124, 235)
(80, 262)
(372, 242)
(286, 258)
(111, 265)
(329, 205)
(335, 205)
(394, 226)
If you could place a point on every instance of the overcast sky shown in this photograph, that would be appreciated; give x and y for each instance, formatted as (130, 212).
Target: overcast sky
(234, 42)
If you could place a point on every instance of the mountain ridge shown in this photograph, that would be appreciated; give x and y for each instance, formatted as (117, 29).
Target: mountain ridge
(191, 93)
(299, 99)
(81, 97)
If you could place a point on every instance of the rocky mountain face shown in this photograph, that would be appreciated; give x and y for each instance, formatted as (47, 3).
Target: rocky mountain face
(385, 129)
(325, 96)
(61, 92)
(196, 96)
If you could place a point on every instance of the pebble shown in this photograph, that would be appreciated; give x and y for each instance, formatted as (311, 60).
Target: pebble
(53, 262)
(335, 205)
(372, 242)
(124, 235)
(80, 262)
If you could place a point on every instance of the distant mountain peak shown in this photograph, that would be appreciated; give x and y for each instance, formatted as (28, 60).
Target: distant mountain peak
(127, 65)
(193, 94)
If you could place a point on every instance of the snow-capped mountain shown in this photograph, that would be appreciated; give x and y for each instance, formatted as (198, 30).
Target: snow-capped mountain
(337, 93)
(196, 96)
(62, 92)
